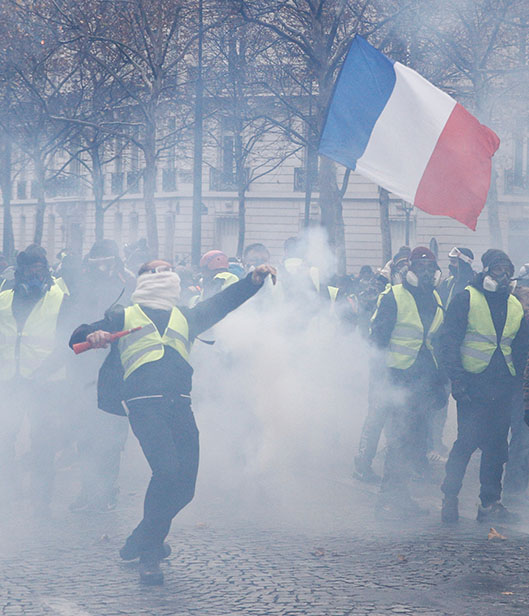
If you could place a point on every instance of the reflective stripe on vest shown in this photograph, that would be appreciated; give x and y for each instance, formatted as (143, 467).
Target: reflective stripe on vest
(481, 339)
(408, 336)
(146, 344)
(23, 352)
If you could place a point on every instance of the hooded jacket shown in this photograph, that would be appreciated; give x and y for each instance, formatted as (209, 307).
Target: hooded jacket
(171, 375)
(496, 379)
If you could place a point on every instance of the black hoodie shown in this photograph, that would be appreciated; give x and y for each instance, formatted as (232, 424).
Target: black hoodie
(496, 379)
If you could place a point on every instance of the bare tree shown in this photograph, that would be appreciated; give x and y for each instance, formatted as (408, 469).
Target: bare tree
(30, 86)
(316, 35)
(477, 51)
(140, 46)
(253, 145)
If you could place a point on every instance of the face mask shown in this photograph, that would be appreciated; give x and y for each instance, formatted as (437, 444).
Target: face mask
(426, 280)
(453, 269)
(489, 284)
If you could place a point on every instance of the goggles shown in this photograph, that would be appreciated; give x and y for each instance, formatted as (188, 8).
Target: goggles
(158, 269)
(455, 253)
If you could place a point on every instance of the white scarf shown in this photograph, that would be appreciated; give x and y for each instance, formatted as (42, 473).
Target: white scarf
(160, 290)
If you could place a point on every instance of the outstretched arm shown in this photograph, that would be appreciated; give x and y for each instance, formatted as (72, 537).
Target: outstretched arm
(209, 312)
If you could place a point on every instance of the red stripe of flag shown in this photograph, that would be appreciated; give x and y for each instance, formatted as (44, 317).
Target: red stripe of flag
(456, 180)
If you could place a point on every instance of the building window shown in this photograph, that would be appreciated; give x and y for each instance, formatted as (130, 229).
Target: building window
(116, 182)
(227, 234)
(519, 241)
(22, 189)
(169, 180)
(134, 223)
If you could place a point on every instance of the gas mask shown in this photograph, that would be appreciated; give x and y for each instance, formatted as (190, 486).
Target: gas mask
(424, 274)
(497, 278)
(102, 265)
(33, 280)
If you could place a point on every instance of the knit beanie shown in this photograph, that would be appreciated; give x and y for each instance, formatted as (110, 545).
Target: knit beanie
(493, 256)
(421, 253)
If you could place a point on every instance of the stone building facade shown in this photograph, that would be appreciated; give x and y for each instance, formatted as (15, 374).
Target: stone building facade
(275, 211)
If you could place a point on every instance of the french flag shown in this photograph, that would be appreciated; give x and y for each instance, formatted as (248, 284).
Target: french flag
(395, 128)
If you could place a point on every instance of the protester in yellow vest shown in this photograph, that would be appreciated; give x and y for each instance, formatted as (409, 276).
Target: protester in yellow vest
(147, 376)
(484, 346)
(215, 275)
(407, 319)
(32, 371)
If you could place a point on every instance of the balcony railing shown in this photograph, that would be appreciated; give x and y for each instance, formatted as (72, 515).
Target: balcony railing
(220, 180)
(299, 180)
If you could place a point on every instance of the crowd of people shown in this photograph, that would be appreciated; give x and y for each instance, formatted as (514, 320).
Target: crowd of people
(466, 335)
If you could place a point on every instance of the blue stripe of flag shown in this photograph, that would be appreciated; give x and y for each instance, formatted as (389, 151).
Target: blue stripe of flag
(363, 87)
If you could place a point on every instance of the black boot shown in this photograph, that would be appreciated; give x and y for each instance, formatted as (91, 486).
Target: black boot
(450, 510)
(131, 551)
(364, 472)
(150, 573)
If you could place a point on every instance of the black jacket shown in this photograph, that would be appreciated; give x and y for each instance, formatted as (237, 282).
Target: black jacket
(171, 375)
(496, 379)
(453, 285)
(423, 375)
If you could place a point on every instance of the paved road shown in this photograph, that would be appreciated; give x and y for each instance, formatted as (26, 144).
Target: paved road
(314, 551)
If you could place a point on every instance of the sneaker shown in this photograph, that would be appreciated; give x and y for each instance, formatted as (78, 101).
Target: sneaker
(151, 574)
(399, 507)
(130, 551)
(496, 512)
(450, 509)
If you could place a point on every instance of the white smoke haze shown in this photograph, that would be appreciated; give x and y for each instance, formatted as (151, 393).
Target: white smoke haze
(279, 400)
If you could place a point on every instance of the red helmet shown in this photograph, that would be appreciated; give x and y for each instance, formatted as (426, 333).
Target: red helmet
(214, 260)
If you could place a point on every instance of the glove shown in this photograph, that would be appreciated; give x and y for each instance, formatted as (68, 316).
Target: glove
(459, 392)
(526, 417)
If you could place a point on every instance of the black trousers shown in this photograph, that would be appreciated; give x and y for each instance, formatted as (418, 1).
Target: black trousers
(168, 435)
(481, 424)
(406, 434)
(377, 415)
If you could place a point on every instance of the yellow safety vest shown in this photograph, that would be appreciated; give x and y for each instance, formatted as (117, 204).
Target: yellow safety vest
(450, 280)
(62, 284)
(481, 339)
(146, 344)
(408, 334)
(228, 278)
(23, 352)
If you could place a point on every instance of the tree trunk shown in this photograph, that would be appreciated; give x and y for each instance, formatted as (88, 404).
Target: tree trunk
(98, 183)
(493, 214)
(198, 138)
(331, 210)
(311, 166)
(242, 220)
(240, 177)
(149, 187)
(8, 245)
(40, 187)
(385, 229)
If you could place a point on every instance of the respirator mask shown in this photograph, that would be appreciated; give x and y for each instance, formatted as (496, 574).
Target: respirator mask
(424, 274)
(103, 265)
(498, 278)
(34, 280)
